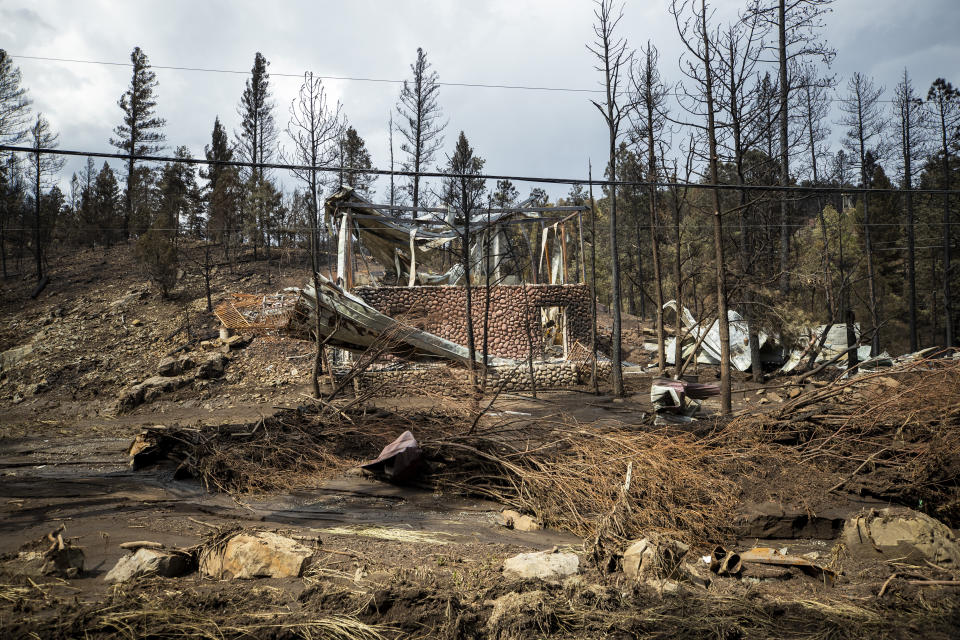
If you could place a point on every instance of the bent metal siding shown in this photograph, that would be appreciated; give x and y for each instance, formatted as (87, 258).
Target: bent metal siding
(442, 311)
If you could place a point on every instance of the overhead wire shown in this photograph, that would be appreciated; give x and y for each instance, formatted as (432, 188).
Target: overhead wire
(476, 176)
(279, 74)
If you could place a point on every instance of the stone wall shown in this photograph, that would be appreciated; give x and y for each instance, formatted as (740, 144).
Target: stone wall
(446, 380)
(442, 311)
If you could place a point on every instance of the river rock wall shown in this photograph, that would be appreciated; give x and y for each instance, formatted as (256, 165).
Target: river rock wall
(513, 310)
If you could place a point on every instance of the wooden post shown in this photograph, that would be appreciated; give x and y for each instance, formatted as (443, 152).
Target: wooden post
(343, 251)
(413, 257)
(563, 251)
(583, 256)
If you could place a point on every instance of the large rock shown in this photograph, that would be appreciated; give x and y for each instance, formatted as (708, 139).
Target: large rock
(187, 361)
(12, 357)
(149, 390)
(212, 366)
(901, 533)
(256, 555)
(149, 562)
(544, 565)
(169, 367)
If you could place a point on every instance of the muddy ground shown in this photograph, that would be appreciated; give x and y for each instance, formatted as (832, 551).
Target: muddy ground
(392, 561)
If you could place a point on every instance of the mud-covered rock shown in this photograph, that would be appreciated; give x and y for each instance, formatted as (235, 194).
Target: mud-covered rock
(544, 565)
(65, 562)
(169, 367)
(12, 357)
(149, 562)
(212, 366)
(515, 520)
(903, 534)
(149, 390)
(256, 555)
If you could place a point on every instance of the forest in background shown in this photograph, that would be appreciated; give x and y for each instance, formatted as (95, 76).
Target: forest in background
(723, 188)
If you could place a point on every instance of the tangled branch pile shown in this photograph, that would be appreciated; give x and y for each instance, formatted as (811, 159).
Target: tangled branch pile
(157, 612)
(893, 435)
(570, 476)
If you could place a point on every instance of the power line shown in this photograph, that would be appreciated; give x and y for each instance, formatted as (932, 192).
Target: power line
(478, 85)
(278, 74)
(479, 176)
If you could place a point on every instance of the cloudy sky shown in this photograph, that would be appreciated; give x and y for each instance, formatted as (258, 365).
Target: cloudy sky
(515, 42)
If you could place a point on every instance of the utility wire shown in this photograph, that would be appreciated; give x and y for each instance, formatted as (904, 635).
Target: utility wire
(474, 85)
(478, 85)
(478, 176)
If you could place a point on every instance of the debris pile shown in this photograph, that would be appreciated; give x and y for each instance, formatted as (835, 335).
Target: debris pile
(50, 555)
(891, 435)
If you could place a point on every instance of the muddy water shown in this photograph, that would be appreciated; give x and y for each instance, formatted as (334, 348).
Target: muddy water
(87, 486)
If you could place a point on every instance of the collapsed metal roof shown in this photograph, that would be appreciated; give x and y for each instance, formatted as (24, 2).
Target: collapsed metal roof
(413, 248)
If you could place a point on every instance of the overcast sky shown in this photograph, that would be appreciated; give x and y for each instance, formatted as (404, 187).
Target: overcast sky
(517, 42)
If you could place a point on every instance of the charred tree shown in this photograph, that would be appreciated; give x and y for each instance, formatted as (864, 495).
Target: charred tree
(865, 124)
(701, 68)
(420, 126)
(314, 129)
(650, 98)
(912, 120)
(613, 57)
(944, 101)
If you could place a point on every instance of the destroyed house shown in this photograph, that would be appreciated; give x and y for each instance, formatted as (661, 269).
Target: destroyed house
(527, 291)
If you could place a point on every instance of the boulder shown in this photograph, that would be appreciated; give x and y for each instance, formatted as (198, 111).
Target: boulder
(515, 520)
(212, 366)
(545, 565)
(256, 555)
(187, 361)
(169, 367)
(903, 534)
(149, 390)
(149, 562)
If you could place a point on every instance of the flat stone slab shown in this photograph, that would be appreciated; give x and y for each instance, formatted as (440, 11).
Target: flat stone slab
(543, 565)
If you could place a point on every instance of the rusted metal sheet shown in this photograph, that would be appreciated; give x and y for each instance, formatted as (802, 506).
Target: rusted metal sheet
(244, 311)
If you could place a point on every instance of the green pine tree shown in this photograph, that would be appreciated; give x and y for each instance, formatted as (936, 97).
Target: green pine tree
(140, 132)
